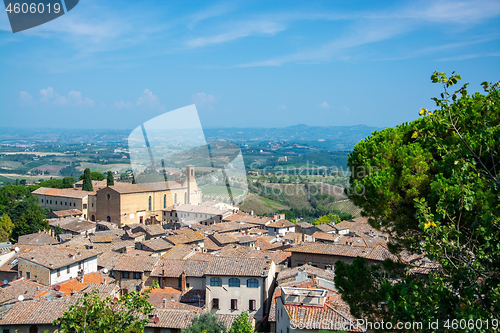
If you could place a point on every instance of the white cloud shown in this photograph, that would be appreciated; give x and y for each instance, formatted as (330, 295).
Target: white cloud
(47, 94)
(282, 107)
(123, 105)
(202, 99)
(149, 99)
(74, 99)
(324, 105)
(25, 98)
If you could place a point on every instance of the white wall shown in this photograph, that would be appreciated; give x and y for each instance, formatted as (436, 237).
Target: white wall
(89, 266)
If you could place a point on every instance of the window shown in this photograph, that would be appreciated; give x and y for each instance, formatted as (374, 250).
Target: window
(234, 282)
(234, 304)
(252, 305)
(21, 273)
(253, 283)
(28, 275)
(84, 206)
(216, 282)
(65, 203)
(215, 303)
(92, 204)
(56, 202)
(164, 201)
(125, 275)
(149, 204)
(58, 272)
(42, 200)
(108, 196)
(108, 219)
(67, 269)
(137, 275)
(51, 202)
(6, 330)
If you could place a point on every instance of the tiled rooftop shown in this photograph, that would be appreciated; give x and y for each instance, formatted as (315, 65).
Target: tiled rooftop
(237, 266)
(135, 263)
(62, 192)
(54, 257)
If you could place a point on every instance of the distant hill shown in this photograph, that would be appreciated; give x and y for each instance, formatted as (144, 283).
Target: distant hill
(329, 137)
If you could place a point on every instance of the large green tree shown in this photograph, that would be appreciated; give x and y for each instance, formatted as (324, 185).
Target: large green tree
(433, 184)
(87, 180)
(205, 323)
(93, 314)
(94, 175)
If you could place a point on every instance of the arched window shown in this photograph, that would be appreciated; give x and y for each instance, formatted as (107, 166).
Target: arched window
(108, 219)
(108, 196)
(164, 201)
(216, 282)
(185, 197)
(234, 282)
(253, 283)
(149, 204)
(175, 198)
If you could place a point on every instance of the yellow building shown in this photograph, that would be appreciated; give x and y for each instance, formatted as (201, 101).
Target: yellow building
(126, 203)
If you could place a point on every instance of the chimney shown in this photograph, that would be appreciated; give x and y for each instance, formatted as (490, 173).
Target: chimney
(164, 303)
(183, 281)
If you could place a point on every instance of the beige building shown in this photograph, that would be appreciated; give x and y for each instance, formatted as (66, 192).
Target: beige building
(57, 199)
(234, 285)
(126, 203)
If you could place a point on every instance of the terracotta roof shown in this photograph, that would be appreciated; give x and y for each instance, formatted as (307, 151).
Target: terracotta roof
(73, 285)
(78, 226)
(264, 244)
(295, 237)
(181, 251)
(66, 212)
(175, 267)
(223, 239)
(210, 245)
(100, 239)
(241, 217)
(135, 263)
(280, 224)
(125, 188)
(185, 236)
(331, 249)
(62, 192)
(174, 319)
(311, 270)
(38, 238)
(157, 296)
(326, 228)
(54, 257)
(108, 259)
(38, 311)
(237, 266)
(194, 296)
(156, 244)
(231, 226)
(245, 239)
(324, 236)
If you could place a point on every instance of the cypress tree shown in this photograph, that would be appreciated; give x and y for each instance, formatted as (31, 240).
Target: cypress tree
(87, 181)
(111, 180)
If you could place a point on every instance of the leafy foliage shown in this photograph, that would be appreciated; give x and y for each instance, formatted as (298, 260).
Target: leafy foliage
(66, 182)
(6, 227)
(207, 323)
(91, 314)
(94, 175)
(241, 324)
(433, 184)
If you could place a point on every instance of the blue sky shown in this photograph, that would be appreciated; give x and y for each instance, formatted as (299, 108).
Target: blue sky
(116, 64)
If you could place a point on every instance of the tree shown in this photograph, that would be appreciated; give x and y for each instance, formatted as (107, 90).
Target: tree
(111, 180)
(241, 324)
(91, 314)
(6, 226)
(433, 185)
(94, 175)
(87, 181)
(206, 322)
(30, 222)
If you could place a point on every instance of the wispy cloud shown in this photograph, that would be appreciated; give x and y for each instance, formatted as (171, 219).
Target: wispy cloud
(202, 99)
(324, 105)
(150, 100)
(470, 56)
(25, 99)
(236, 31)
(74, 99)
